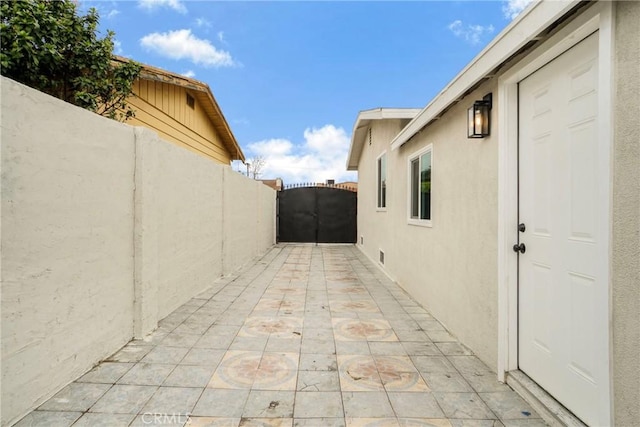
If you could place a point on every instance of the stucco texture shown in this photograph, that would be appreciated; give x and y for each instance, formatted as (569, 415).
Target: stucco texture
(189, 225)
(626, 217)
(67, 252)
(106, 229)
(450, 267)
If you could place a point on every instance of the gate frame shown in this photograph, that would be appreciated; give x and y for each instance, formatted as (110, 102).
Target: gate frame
(340, 187)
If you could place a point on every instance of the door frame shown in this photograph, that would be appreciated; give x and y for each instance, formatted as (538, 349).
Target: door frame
(599, 17)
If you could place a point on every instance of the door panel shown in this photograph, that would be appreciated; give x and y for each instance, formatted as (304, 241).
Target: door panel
(562, 274)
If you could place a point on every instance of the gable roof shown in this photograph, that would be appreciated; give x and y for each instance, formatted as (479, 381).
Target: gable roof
(363, 122)
(535, 24)
(203, 94)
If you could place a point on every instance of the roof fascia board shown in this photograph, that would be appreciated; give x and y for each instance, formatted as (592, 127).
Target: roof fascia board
(239, 155)
(363, 121)
(388, 113)
(149, 72)
(530, 23)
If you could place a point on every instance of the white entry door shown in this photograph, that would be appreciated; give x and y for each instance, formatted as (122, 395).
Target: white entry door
(563, 280)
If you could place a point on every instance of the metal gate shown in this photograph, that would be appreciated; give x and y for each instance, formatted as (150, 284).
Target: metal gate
(317, 215)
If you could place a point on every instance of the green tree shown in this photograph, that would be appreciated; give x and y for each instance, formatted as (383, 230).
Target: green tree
(48, 46)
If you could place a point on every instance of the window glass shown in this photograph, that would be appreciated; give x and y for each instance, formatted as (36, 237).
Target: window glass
(382, 181)
(420, 185)
(425, 186)
(415, 181)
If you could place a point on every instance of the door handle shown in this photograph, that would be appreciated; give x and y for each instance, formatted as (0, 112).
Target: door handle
(519, 248)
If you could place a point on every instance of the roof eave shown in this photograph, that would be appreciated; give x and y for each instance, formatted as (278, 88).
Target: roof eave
(215, 113)
(363, 121)
(221, 124)
(531, 22)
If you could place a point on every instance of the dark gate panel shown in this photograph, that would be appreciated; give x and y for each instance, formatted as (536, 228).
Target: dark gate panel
(336, 215)
(317, 214)
(297, 215)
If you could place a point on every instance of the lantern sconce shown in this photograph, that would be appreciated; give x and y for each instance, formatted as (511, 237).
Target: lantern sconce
(478, 120)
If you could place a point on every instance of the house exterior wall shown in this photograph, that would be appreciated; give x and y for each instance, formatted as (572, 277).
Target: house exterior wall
(459, 252)
(163, 107)
(451, 267)
(105, 230)
(626, 217)
(375, 226)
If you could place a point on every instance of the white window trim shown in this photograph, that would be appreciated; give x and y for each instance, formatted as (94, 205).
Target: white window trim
(410, 220)
(598, 18)
(380, 208)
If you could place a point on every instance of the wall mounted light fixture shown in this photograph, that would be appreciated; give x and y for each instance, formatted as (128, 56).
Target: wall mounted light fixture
(478, 119)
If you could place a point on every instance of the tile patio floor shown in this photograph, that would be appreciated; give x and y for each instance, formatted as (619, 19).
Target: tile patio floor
(306, 336)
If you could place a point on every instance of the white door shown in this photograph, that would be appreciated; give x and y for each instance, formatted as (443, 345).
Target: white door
(563, 279)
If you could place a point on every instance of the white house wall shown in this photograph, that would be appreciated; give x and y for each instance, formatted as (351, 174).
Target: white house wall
(626, 217)
(451, 267)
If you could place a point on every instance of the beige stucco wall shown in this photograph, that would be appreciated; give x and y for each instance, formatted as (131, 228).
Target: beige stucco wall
(625, 272)
(105, 230)
(249, 219)
(451, 267)
(67, 249)
(189, 225)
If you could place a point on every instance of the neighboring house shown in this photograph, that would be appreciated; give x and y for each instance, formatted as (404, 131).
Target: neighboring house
(183, 110)
(524, 243)
(348, 185)
(276, 184)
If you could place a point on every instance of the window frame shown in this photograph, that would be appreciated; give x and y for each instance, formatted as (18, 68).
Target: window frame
(410, 159)
(382, 208)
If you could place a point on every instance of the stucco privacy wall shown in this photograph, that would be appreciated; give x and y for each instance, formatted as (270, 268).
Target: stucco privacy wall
(66, 248)
(248, 220)
(626, 217)
(190, 224)
(105, 230)
(451, 267)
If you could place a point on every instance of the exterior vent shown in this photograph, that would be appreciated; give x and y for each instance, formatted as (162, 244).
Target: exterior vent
(381, 257)
(191, 102)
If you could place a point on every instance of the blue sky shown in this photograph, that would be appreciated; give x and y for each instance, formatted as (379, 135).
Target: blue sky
(291, 77)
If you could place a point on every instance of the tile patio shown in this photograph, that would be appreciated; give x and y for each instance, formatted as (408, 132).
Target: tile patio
(305, 336)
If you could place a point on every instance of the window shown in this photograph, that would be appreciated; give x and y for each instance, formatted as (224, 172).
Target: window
(191, 102)
(420, 186)
(382, 181)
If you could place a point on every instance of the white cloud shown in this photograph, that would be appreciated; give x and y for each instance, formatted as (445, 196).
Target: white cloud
(112, 13)
(182, 44)
(189, 73)
(322, 156)
(221, 37)
(176, 5)
(470, 33)
(117, 47)
(202, 22)
(512, 8)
